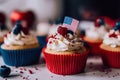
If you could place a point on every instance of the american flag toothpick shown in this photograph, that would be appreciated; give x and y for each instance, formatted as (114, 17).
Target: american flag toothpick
(70, 23)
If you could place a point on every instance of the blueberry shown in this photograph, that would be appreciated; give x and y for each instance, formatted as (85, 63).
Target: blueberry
(117, 26)
(17, 27)
(4, 71)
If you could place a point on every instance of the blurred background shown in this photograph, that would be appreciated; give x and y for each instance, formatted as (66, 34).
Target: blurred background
(51, 10)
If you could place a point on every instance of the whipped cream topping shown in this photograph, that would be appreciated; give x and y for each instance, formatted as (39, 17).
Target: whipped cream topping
(43, 29)
(112, 38)
(57, 42)
(19, 39)
(96, 32)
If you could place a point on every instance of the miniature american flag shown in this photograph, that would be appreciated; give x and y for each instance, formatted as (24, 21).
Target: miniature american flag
(70, 23)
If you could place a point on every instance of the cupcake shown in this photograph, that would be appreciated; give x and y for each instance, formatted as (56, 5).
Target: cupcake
(94, 36)
(65, 53)
(3, 32)
(42, 32)
(19, 49)
(110, 47)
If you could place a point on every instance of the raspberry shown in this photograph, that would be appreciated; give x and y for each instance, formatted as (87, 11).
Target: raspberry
(113, 35)
(62, 30)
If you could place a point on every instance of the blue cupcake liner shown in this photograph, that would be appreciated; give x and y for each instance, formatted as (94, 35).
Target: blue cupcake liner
(0, 46)
(42, 40)
(21, 57)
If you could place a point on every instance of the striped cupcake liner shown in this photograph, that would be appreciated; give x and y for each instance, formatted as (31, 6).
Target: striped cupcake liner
(111, 58)
(66, 64)
(21, 57)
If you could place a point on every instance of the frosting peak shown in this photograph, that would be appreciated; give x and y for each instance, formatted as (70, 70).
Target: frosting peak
(64, 40)
(19, 39)
(96, 32)
(112, 38)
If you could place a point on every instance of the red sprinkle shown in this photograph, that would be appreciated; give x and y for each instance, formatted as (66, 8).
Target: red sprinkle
(23, 77)
(36, 79)
(50, 42)
(21, 68)
(16, 66)
(21, 72)
(30, 72)
(36, 68)
(25, 69)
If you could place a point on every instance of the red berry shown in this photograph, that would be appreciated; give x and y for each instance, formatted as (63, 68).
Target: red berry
(62, 30)
(113, 35)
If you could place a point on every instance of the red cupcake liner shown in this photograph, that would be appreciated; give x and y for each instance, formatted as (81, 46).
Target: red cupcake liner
(94, 48)
(111, 58)
(66, 64)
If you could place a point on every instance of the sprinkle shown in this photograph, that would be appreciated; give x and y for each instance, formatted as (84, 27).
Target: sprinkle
(21, 72)
(50, 42)
(30, 72)
(36, 79)
(25, 69)
(93, 73)
(51, 76)
(16, 66)
(21, 68)
(23, 77)
(36, 68)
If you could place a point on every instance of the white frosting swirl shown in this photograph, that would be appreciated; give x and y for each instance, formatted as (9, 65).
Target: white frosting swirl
(69, 43)
(112, 38)
(96, 32)
(20, 39)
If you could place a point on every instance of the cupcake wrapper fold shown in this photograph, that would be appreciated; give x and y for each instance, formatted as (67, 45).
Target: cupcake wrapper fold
(94, 48)
(21, 57)
(66, 64)
(111, 58)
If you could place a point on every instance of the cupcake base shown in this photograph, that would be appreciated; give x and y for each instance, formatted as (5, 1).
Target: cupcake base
(21, 57)
(94, 46)
(65, 64)
(110, 58)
